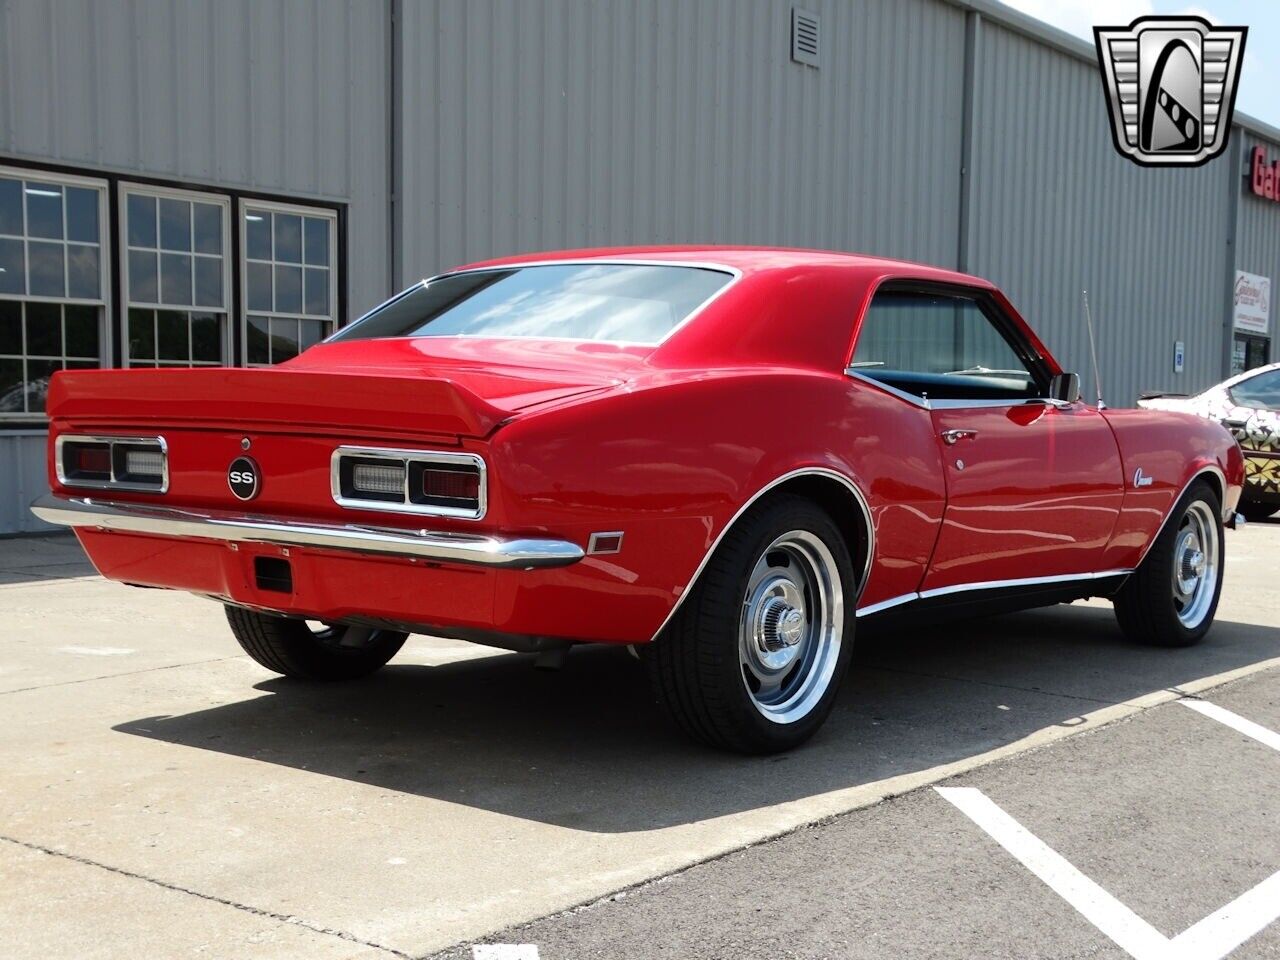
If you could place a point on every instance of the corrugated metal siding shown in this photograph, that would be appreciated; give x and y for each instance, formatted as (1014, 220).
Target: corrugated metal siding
(533, 126)
(22, 479)
(1057, 211)
(1257, 247)
(283, 96)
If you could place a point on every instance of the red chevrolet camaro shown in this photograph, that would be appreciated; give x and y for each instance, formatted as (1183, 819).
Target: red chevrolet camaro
(723, 457)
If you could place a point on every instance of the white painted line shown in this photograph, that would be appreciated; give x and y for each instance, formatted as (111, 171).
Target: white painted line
(1211, 939)
(1126, 928)
(505, 951)
(1235, 722)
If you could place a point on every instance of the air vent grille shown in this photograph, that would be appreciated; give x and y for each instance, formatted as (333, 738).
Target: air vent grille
(805, 37)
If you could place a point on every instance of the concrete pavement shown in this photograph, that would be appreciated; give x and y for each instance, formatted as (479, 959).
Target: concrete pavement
(458, 792)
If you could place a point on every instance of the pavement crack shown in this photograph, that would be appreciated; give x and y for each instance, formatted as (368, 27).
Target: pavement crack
(112, 676)
(235, 905)
(1000, 686)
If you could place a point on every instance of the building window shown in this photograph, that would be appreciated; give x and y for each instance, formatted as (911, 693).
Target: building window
(177, 288)
(53, 261)
(289, 283)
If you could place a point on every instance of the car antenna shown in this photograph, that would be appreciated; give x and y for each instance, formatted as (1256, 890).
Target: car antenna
(1093, 351)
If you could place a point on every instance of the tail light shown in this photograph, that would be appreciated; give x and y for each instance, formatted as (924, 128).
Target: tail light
(442, 484)
(112, 463)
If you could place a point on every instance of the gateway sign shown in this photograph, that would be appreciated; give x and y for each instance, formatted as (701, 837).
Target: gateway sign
(1251, 302)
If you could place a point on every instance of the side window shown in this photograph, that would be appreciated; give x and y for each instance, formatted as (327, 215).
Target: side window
(1261, 392)
(940, 346)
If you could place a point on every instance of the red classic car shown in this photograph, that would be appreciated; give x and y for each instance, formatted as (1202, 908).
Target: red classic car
(723, 457)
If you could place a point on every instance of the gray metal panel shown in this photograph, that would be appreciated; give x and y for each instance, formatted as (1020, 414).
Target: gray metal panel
(1057, 211)
(1258, 230)
(565, 123)
(283, 96)
(22, 480)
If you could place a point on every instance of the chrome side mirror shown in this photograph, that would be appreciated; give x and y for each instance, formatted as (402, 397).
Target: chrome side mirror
(1065, 387)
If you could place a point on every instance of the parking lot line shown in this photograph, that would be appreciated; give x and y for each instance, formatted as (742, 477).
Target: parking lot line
(1235, 722)
(504, 951)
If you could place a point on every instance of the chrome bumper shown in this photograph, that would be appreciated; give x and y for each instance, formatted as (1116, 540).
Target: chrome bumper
(438, 546)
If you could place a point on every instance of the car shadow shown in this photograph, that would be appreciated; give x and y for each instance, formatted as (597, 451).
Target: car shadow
(584, 747)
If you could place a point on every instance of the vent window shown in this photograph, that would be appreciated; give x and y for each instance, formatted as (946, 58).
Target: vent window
(805, 37)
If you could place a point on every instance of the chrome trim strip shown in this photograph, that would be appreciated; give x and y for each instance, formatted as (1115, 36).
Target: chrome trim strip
(1222, 479)
(911, 398)
(406, 457)
(113, 483)
(986, 585)
(444, 547)
(804, 471)
(734, 273)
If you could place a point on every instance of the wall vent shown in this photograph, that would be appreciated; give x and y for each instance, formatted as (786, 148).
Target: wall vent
(804, 37)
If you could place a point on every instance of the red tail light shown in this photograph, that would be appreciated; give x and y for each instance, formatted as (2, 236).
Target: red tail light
(447, 484)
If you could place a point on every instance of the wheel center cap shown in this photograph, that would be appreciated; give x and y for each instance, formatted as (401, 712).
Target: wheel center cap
(791, 627)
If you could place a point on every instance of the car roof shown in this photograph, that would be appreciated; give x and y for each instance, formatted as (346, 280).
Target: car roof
(746, 260)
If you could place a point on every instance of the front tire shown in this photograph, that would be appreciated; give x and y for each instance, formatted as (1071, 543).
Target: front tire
(1171, 599)
(295, 649)
(753, 659)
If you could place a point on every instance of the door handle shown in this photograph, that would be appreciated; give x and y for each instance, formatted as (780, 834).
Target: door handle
(950, 437)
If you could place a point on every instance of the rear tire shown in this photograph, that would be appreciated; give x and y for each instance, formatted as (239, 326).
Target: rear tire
(753, 659)
(1255, 512)
(294, 649)
(1171, 599)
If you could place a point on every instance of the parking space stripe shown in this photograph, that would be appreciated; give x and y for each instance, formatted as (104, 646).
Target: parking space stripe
(1221, 932)
(504, 951)
(1129, 931)
(1235, 722)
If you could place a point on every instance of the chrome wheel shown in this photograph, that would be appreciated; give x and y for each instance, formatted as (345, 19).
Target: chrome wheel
(791, 626)
(1196, 560)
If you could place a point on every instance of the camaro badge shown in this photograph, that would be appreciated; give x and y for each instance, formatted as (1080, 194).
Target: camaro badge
(243, 478)
(1171, 87)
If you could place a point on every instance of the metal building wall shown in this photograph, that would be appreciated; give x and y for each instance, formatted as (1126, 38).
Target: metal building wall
(532, 126)
(22, 479)
(1057, 210)
(1257, 239)
(284, 96)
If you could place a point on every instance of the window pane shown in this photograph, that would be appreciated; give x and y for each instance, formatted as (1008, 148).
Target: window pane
(258, 279)
(46, 277)
(284, 340)
(317, 300)
(175, 224)
(11, 386)
(313, 331)
(82, 214)
(288, 237)
(142, 277)
(38, 374)
(142, 334)
(209, 281)
(82, 271)
(175, 278)
(82, 330)
(208, 227)
(44, 330)
(11, 206)
(171, 331)
(10, 327)
(258, 337)
(317, 245)
(142, 221)
(288, 289)
(44, 210)
(257, 235)
(206, 337)
(13, 268)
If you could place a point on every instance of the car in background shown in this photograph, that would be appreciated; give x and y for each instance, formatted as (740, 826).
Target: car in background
(1248, 405)
(724, 458)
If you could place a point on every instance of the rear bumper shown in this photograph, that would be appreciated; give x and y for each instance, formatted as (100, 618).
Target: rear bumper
(481, 550)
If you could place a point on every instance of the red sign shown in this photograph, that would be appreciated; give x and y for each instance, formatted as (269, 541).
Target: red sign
(1265, 180)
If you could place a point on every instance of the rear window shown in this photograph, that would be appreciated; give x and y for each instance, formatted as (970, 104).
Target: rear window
(608, 302)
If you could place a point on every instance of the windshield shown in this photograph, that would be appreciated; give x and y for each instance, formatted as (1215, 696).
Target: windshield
(610, 302)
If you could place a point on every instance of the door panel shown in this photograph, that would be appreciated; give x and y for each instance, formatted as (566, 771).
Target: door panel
(1033, 490)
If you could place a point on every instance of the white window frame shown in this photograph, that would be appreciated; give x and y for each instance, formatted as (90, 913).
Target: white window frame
(103, 302)
(123, 190)
(275, 206)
